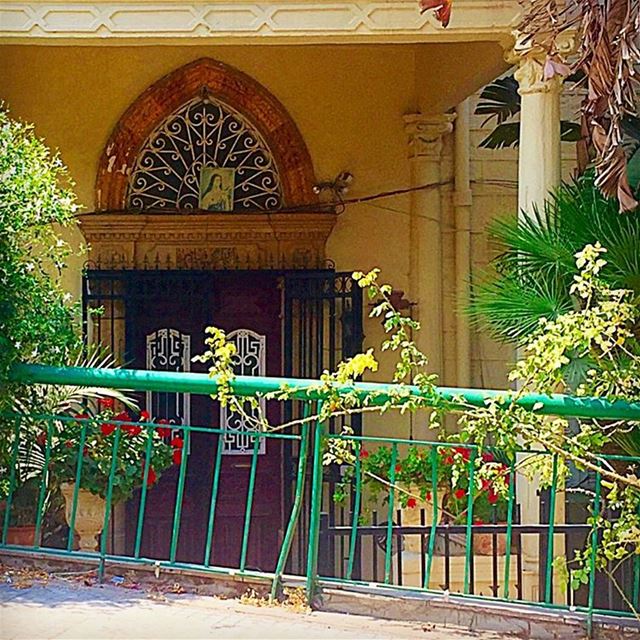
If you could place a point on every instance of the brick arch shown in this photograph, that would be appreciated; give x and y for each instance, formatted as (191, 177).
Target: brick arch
(229, 85)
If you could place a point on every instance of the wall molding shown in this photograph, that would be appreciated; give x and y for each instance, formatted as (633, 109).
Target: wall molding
(232, 20)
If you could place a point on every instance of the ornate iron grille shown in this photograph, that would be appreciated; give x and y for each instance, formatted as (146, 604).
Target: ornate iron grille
(204, 132)
(249, 360)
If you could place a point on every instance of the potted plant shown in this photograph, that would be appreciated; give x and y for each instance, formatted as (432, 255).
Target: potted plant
(100, 428)
(22, 515)
(413, 488)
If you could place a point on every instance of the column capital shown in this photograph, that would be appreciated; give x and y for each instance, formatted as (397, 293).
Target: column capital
(425, 133)
(537, 71)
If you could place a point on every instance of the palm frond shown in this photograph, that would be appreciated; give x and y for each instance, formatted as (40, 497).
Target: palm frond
(499, 100)
(505, 135)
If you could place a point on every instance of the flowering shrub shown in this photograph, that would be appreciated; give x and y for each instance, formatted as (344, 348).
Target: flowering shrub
(97, 452)
(413, 481)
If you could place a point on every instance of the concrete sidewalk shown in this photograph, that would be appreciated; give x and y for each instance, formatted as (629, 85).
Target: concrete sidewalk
(64, 609)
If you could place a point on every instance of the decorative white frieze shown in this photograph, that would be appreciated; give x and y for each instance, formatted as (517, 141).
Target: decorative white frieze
(312, 19)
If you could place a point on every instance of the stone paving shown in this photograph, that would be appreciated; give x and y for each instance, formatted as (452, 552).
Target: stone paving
(63, 609)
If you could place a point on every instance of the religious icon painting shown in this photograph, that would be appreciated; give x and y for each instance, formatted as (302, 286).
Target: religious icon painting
(216, 188)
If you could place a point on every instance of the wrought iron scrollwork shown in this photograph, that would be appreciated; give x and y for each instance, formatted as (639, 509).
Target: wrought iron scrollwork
(203, 132)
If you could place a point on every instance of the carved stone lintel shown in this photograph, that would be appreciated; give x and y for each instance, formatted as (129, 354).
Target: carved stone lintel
(426, 133)
(207, 240)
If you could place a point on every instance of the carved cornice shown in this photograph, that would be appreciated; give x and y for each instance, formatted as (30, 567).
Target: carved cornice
(426, 133)
(207, 240)
(235, 19)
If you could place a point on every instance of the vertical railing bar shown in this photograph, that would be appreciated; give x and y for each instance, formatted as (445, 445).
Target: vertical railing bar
(548, 578)
(247, 514)
(469, 528)
(636, 579)
(44, 480)
(434, 515)
(510, 503)
(214, 499)
(295, 508)
(12, 479)
(177, 510)
(143, 493)
(314, 520)
(355, 516)
(399, 538)
(109, 500)
(76, 488)
(389, 539)
(594, 549)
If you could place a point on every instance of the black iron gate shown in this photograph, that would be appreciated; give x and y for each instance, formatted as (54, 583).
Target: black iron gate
(322, 325)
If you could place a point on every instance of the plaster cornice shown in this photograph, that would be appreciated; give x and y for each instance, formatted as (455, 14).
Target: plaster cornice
(284, 20)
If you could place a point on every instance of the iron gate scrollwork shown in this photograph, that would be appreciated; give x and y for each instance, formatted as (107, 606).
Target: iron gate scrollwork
(248, 360)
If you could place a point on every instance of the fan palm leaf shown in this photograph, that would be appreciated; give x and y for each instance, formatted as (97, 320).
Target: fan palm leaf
(535, 266)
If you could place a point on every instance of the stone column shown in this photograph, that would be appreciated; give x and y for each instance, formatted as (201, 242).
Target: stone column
(539, 157)
(425, 142)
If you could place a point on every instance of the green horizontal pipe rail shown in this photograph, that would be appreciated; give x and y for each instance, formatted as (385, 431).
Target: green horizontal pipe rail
(302, 389)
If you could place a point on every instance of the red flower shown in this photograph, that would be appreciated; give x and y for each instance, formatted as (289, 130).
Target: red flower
(448, 460)
(478, 521)
(493, 497)
(464, 452)
(144, 416)
(81, 416)
(106, 403)
(398, 468)
(487, 457)
(459, 494)
(177, 442)
(164, 432)
(364, 454)
(177, 456)
(412, 503)
(68, 444)
(41, 438)
(428, 496)
(132, 429)
(486, 484)
(107, 428)
(151, 477)
(123, 416)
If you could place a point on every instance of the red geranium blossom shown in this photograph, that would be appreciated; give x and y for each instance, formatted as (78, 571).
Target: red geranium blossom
(177, 442)
(448, 460)
(177, 456)
(151, 477)
(460, 493)
(428, 496)
(493, 497)
(41, 438)
(398, 468)
(478, 521)
(68, 444)
(464, 452)
(81, 416)
(163, 432)
(132, 429)
(107, 428)
(486, 484)
(144, 416)
(123, 416)
(364, 454)
(106, 403)
(412, 503)
(487, 457)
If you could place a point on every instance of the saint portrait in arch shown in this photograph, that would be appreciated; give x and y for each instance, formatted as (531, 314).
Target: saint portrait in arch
(216, 188)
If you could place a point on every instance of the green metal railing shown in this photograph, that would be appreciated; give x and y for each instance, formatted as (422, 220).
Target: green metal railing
(359, 539)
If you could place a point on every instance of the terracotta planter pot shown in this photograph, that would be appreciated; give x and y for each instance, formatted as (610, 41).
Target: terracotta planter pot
(483, 544)
(24, 536)
(89, 515)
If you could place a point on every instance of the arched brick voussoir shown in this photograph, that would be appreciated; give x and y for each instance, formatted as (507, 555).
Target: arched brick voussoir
(227, 84)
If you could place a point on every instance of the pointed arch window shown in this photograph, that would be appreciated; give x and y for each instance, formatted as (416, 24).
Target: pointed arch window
(203, 132)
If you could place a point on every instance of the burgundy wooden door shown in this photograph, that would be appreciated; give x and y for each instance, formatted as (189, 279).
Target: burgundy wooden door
(185, 304)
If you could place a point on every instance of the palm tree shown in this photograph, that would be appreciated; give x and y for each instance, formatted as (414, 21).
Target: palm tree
(533, 272)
